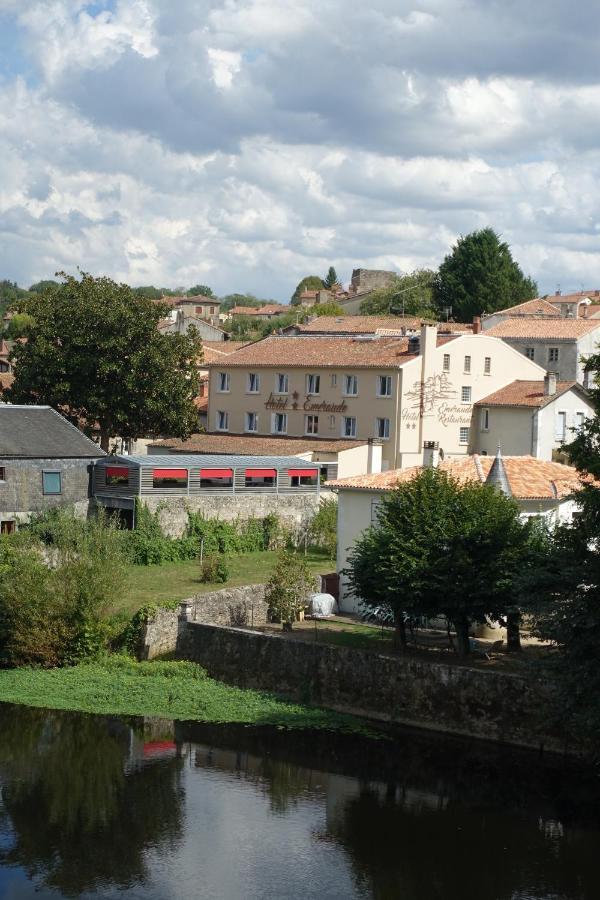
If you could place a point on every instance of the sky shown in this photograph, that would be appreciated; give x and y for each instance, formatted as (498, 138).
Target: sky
(244, 144)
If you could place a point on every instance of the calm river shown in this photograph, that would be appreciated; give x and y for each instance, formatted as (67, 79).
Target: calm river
(110, 807)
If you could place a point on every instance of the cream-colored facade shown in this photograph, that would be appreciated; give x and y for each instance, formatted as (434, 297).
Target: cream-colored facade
(419, 398)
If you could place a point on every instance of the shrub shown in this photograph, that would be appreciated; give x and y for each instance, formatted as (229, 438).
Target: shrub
(214, 569)
(288, 588)
(323, 528)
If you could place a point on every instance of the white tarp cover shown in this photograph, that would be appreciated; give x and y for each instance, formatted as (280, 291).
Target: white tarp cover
(322, 605)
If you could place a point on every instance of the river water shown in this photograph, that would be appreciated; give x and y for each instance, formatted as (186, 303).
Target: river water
(112, 807)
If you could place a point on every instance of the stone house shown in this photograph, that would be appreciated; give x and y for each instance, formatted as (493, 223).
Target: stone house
(540, 488)
(206, 308)
(44, 462)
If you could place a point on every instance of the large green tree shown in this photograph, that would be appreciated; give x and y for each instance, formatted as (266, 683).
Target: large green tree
(409, 294)
(200, 290)
(309, 283)
(331, 278)
(480, 276)
(441, 547)
(95, 354)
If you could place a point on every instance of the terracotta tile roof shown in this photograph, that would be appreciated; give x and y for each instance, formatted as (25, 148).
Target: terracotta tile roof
(529, 478)
(525, 393)
(201, 403)
(555, 329)
(322, 352)
(586, 312)
(386, 325)
(243, 311)
(246, 445)
(225, 347)
(537, 307)
(576, 297)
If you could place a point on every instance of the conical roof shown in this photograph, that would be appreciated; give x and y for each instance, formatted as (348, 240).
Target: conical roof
(497, 475)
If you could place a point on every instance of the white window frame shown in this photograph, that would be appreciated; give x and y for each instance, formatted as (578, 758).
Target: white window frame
(224, 379)
(446, 363)
(487, 365)
(530, 353)
(274, 417)
(561, 416)
(382, 420)
(282, 378)
(222, 416)
(311, 423)
(467, 365)
(580, 417)
(466, 393)
(353, 431)
(332, 421)
(249, 388)
(387, 381)
(484, 421)
(350, 381)
(247, 423)
(462, 429)
(312, 378)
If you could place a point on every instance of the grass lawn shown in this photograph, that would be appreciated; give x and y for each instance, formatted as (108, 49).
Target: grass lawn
(174, 690)
(175, 581)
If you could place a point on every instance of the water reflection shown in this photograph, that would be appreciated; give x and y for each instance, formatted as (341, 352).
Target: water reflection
(107, 807)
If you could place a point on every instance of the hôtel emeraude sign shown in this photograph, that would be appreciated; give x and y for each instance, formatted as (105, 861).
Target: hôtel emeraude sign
(282, 404)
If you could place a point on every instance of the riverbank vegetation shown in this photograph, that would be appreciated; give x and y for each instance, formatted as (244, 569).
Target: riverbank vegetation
(173, 690)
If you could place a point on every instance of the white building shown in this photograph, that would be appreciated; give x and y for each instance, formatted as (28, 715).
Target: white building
(540, 488)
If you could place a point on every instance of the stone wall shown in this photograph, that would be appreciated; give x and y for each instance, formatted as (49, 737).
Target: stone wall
(22, 493)
(448, 698)
(296, 511)
(242, 607)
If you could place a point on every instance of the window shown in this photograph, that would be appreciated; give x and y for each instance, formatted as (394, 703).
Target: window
(332, 421)
(303, 477)
(170, 478)
(530, 352)
(51, 483)
(375, 504)
(224, 382)
(446, 365)
(216, 478)
(282, 383)
(116, 475)
(350, 385)
(485, 420)
(212, 310)
(579, 423)
(222, 421)
(463, 437)
(560, 425)
(333, 380)
(313, 384)
(384, 385)
(553, 354)
(465, 394)
(253, 383)
(260, 478)
(487, 365)
(311, 424)
(279, 423)
(2, 473)
(251, 421)
(467, 364)
(349, 429)
(382, 428)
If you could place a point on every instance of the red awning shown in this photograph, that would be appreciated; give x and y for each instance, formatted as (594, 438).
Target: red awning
(310, 472)
(169, 473)
(261, 473)
(117, 471)
(216, 473)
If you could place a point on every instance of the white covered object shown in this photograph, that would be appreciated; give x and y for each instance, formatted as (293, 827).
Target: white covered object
(322, 605)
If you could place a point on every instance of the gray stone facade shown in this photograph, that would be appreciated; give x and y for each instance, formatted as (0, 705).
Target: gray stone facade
(295, 511)
(21, 492)
(364, 280)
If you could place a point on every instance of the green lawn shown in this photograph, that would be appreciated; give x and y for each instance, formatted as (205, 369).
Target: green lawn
(175, 581)
(173, 690)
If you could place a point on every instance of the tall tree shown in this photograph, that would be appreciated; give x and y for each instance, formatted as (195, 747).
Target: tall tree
(409, 294)
(309, 283)
(95, 354)
(331, 278)
(480, 276)
(200, 290)
(440, 547)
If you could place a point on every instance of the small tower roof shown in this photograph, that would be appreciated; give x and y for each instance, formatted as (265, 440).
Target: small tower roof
(497, 475)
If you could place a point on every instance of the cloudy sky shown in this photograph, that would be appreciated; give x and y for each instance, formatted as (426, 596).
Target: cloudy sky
(246, 143)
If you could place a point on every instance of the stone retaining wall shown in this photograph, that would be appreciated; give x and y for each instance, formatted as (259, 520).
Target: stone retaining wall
(449, 698)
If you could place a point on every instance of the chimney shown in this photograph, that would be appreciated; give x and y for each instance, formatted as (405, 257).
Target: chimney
(374, 451)
(476, 324)
(431, 454)
(550, 379)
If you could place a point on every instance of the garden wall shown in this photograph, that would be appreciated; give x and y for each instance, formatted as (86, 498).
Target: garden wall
(296, 512)
(448, 698)
(242, 606)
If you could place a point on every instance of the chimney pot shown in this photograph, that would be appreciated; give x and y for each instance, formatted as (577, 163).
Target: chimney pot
(550, 379)
(476, 324)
